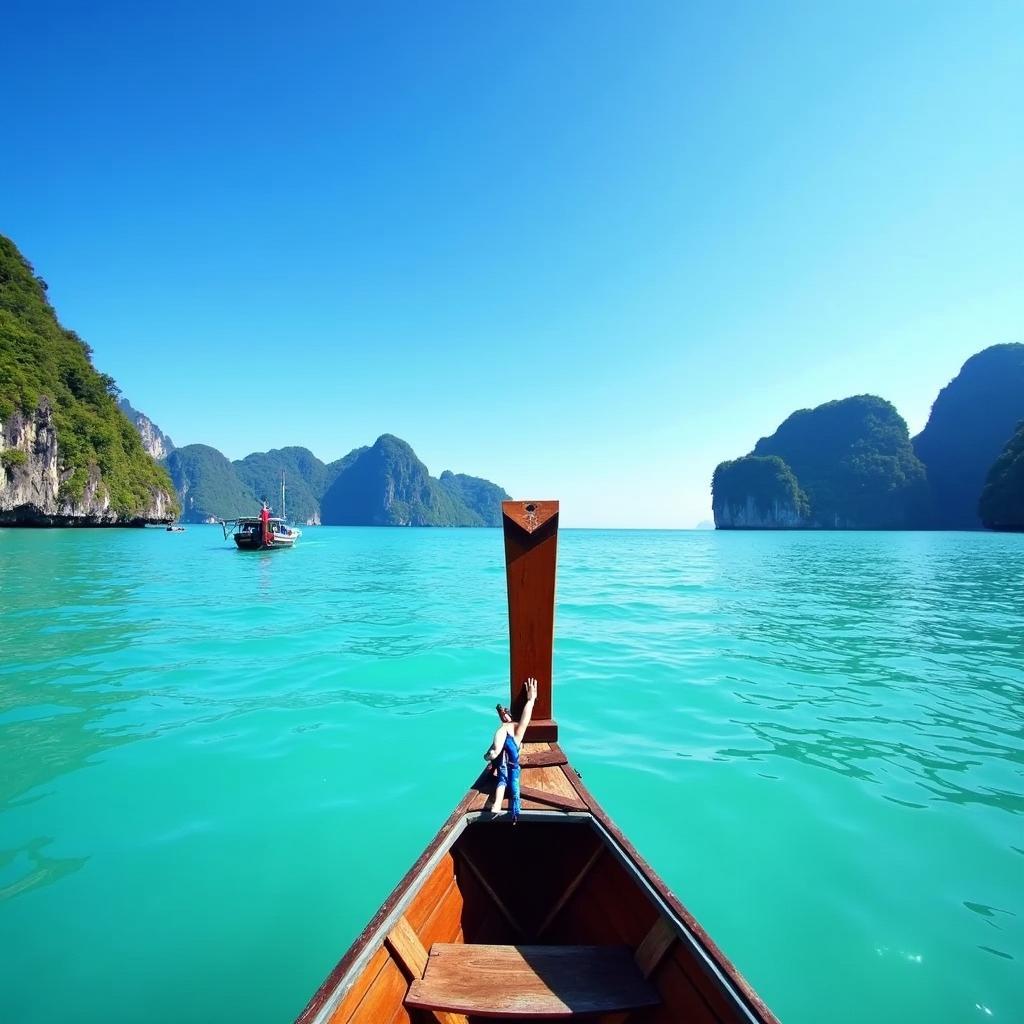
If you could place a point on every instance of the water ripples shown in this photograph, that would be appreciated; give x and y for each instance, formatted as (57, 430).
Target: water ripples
(817, 738)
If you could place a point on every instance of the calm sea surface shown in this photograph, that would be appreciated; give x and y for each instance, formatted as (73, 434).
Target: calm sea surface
(214, 765)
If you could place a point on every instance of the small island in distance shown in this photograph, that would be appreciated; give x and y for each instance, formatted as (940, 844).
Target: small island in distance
(852, 465)
(383, 484)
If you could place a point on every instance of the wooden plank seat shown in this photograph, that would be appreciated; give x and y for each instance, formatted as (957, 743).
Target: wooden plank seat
(530, 981)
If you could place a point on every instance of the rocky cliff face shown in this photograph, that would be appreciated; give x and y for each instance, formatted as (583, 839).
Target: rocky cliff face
(32, 480)
(156, 443)
(758, 493)
(479, 497)
(387, 485)
(755, 515)
(68, 455)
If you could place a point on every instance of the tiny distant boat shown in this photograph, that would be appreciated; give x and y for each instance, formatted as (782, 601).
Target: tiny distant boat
(175, 529)
(558, 916)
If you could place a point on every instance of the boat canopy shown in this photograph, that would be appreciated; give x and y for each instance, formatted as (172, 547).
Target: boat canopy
(242, 521)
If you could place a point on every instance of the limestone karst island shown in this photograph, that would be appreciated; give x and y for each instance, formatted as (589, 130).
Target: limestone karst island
(852, 465)
(74, 452)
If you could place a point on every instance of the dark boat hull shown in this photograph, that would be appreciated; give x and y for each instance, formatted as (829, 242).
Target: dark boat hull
(246, 542)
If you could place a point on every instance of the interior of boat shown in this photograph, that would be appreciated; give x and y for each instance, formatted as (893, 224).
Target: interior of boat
(548, 919)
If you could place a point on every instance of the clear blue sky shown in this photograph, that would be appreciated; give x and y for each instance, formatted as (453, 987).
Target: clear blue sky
(587, 250)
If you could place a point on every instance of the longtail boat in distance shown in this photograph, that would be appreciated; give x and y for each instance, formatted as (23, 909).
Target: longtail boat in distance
(260, 533)
(250, 536)
(557, 916)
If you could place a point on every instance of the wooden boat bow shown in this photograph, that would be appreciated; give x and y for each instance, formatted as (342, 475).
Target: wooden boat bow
(591, 931)
(531, 549)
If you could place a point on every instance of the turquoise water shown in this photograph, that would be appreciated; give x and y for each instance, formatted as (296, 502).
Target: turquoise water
(211, 762)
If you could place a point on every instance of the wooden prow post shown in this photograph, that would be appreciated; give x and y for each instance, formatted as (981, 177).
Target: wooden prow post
(531, 541)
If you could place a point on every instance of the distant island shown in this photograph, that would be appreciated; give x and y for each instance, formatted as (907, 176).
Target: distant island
(851, 464)
(383, 484)
(73, 452)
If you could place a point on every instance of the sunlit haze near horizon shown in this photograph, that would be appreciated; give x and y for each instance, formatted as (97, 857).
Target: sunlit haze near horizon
(586, 251)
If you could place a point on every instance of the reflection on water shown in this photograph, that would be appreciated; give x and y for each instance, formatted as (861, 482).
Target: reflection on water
(183, 726)
(35, 868)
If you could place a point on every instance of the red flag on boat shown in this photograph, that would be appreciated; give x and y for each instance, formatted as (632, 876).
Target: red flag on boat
(266, 536)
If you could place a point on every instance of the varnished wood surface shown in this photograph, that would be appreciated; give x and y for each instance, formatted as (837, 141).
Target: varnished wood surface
(529, 516)
(359, 946)
(540, 755)
(479, 892)
(531, 545)
(548, 799)
(384, 999)
(542, 730)
(655, 945)
(347, 1007)
(550, 779)
(406, 948)
(510, 982)
(543, 783)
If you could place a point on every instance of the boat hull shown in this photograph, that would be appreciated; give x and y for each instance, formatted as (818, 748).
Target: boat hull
(563, 878)
(556, 916)
(252, 542)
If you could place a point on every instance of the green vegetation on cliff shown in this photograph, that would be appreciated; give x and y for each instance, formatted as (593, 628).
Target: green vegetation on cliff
(387, 485)
(1002, 501)
(334, 469)
(156, 443)
(208, 485)
(846, 464)
(854, 461)
(382, 485)
(767, 483)
(969, 423)
(304, 474)
(41, 360)
(481, 499)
